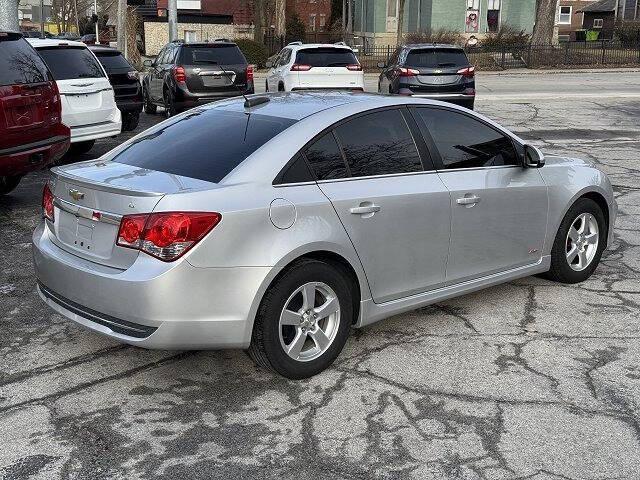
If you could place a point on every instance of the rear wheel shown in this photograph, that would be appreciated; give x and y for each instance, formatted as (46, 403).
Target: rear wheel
(169, 105)
(281, 87)
(304, 320)
(130, 121)
(266, 85)
(81, 147)
(579, 243)
(9, 183)
(149, 107)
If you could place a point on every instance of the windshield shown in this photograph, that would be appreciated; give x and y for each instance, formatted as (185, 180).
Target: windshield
(207, 54)
(113, 61)
(205, 144)
(436, 57)
(70, 63)
(326, 57)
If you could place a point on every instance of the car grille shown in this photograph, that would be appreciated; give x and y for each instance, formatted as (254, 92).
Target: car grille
(122, 327)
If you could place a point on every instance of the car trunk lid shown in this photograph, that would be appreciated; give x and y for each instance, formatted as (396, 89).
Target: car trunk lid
(438, 68)
(211, 68)
(327, 67)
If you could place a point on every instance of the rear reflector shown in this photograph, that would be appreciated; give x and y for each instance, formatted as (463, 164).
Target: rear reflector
(354, 68)
(468, 72)
(47, 203)
(249, 73)
(296, 67)
(166, 235)
(407, 72)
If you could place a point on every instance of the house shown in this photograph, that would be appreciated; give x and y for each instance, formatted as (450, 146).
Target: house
(315, 14)
(199, 21)
(569, 17)
(376, 21)
(601, 17)
(598, 16)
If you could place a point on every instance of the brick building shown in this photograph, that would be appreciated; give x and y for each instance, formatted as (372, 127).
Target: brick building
(313, 13)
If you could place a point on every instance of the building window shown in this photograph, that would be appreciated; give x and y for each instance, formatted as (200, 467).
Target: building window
(564, 17)
(190, 36)
(392, 15)
(598, 23)
(473, 4)
(312, 22)
(322, 21)
(493, 15)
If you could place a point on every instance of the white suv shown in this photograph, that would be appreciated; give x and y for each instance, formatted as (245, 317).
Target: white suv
(315, 66)
(88, 105)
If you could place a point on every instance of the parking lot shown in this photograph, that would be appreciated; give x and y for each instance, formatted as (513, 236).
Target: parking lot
(529, 379)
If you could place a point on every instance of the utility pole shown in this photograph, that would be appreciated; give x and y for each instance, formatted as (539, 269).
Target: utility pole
(344, 20)
(95, 8)
(41, 18)
(172, 7)
(121, 26)
(9, 15)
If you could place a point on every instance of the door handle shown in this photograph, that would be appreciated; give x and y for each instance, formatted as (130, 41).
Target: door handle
(468, 200)
(365, 209)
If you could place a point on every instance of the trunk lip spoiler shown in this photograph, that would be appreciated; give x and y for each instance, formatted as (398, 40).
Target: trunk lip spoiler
(58, 173)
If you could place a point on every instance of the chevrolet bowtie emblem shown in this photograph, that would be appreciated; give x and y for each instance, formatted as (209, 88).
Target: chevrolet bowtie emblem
(438, 71)
(76, 194)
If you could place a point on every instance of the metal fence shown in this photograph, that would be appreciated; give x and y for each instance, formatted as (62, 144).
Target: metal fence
(569, 54)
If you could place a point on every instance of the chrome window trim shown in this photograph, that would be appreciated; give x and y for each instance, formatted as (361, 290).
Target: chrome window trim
(87, 213)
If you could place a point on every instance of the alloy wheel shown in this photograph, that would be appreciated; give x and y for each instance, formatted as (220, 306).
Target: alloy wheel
(309, 321)
(582, 241)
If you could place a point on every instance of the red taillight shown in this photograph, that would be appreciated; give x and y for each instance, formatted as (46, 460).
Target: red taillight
(47, 203)
(407, 72)
(297, 67)
(249, 73)
(354, 68)
(179, 75)
(468, 72)
(166, 235)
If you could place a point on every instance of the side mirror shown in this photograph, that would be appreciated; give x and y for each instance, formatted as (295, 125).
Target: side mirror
(382, 65)
(533, 158)
(147, 63)
(269, 64)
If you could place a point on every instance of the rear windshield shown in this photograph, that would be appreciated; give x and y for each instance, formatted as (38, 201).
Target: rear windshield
(437, 57)
(206, 144)
(19, 63)
(326, 57)
(69, 63)
(113, 60)
(207, 54)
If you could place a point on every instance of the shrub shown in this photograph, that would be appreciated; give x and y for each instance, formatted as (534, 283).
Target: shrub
(255, 52)
(295, 29)
(628, 32)
(440, 35)
(506, 36)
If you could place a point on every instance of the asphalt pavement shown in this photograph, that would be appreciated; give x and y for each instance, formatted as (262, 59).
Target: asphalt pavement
(529, 379)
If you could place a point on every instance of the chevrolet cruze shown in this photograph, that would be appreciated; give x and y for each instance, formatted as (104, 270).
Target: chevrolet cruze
(278, 223)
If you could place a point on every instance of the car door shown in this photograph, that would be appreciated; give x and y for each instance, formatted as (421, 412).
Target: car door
(498, 207)
(272, 82)
(155, 86)
(281, 69)
(395, 211)
(387, 72)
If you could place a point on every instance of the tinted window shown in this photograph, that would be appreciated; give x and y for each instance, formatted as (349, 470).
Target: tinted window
(296, 172)
(207, 54)
(68, 63)
(436, 57)
(325, 158)
(19, 63)
(378, 144)
(326, 57)
(206, 144)
(464, 142)
(113, 61)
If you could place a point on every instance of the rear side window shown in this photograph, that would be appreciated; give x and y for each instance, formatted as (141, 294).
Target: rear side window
(19, 63)
(464, 142)
(113, 61)
(205, 144)
(326, 57)
(325, 158)
(210, 55)
(379, 143)
(436, 57)
(70, 63)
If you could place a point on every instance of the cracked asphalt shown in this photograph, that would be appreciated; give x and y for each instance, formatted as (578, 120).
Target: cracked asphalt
(527, 380)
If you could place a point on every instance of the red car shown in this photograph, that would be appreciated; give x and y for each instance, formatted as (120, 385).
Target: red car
(32, 134)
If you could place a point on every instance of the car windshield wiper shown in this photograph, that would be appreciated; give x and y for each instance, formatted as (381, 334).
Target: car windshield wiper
(337, 64)
(449, 64)
(212, 62)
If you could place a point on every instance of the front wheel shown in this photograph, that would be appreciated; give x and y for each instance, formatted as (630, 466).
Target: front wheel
(579, 243)
(130, 121)
(304, 320)
(9, 183)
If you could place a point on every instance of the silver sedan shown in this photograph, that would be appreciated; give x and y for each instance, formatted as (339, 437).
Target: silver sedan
(278, 223)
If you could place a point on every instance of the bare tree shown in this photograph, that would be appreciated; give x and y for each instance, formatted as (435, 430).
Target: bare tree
(400, 22)
(545, 22)
(280, 17)
(258, 20)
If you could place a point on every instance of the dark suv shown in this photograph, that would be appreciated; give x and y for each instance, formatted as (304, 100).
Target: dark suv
(441, 72)
(185, 75)
(126, 86)
(32, 134)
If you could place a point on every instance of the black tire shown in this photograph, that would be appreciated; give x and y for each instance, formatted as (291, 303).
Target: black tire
(266, 349)
(149, 107)
(79, 148)
(266, 85)
(169, 105)
(281, 87)
(9, 183)
(130, 121)
(560, 270)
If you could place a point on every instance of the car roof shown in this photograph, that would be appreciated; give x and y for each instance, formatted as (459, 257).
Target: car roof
(433, 45)
(103, 48)
(295, 46)
(54, 42)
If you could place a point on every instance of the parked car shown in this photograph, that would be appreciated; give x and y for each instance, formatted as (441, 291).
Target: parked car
(441, 72)
(126, 85)
(35, 34)
(32, 134)
(185, 75)
(279, 231)
(315, 66)
(67, 36)
(89, 39)
(88, 104)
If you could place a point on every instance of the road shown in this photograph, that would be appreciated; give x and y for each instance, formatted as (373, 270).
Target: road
(525, 380)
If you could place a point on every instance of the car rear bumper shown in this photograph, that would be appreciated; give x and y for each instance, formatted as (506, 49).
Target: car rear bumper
(152, 304)
(83, 133)
(32, 156)
(185, 99)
